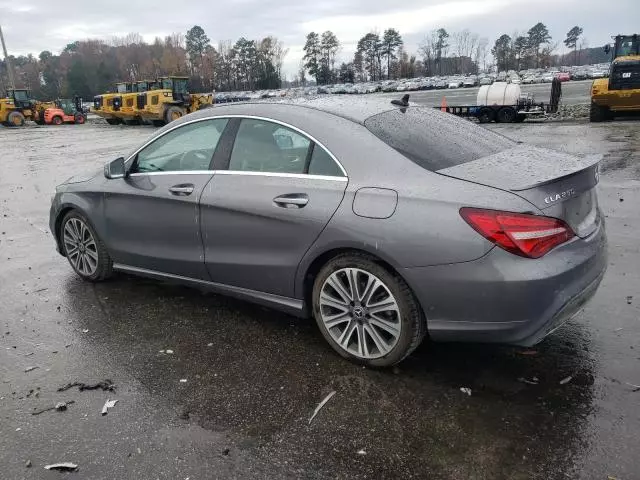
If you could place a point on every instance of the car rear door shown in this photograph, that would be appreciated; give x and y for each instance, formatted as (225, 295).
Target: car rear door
(266, 208)
(152, 216)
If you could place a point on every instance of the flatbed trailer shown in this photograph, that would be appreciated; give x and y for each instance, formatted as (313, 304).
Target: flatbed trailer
(509, 112)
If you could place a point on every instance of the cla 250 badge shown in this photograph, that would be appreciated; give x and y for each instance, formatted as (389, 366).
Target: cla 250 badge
(559, 196)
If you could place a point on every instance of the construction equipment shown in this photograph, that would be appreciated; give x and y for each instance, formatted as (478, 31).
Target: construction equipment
(620, 93)
(64, 110)
(17, 107)
(157, 102)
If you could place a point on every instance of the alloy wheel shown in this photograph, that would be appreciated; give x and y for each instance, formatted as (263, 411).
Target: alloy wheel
(80, 247)
(360, 313)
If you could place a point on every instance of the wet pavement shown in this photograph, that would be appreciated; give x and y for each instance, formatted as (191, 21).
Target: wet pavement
(254, 376)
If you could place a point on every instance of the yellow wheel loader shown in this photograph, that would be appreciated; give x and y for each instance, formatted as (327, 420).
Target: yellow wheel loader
(17, 107)
(620, 93)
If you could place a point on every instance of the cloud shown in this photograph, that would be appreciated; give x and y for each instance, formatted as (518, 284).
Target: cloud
(37, 25)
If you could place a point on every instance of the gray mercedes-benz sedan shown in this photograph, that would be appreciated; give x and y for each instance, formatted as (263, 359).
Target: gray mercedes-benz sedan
(385, 222)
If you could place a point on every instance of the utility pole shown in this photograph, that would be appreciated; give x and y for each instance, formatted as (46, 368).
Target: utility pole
(7, 61)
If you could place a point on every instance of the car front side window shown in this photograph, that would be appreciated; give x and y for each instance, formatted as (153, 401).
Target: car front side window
(187, 148)
(263, 146)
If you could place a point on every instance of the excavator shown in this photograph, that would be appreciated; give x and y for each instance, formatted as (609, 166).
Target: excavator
(620, 93)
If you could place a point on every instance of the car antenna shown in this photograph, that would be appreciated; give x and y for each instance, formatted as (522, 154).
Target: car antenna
(404, 102)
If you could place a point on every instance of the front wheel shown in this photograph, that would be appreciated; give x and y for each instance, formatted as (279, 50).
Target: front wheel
(506, 115)
(79, 118)
(366, 313)
(56, 120)
(83, 248)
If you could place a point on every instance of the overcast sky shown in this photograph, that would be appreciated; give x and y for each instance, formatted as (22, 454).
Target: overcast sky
(31, 26)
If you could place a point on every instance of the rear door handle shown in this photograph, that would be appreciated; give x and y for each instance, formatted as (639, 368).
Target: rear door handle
(182, 189)
(292, 200)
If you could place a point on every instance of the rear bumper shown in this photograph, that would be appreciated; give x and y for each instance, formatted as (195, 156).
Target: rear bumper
(503, 298)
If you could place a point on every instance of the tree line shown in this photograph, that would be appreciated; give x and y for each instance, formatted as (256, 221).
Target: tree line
(379, 57)
(89, 67)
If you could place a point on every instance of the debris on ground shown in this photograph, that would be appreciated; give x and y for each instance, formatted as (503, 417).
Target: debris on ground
(85, 330)
(183, 380)
(28, 464)
(629, 299)
(63, 467)
(527, 352)
(634, 388)
(106, 385)
(566, 380)
(169, 352)
(533, 381)
(361, 452)
(59, 407)
(225, 452)
(321, 404)
(465, 390)
(107, 405)
(209, 344)
(29, 369)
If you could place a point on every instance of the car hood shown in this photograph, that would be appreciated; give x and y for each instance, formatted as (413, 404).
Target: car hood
(83, 177)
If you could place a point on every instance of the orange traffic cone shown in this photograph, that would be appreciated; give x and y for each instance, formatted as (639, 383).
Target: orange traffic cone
(443, 105)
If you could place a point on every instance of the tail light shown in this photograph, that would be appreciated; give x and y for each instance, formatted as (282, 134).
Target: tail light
(526, 235)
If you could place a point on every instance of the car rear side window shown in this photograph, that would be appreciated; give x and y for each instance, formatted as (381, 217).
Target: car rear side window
(435, 140)
(263, 146)
(322, 163)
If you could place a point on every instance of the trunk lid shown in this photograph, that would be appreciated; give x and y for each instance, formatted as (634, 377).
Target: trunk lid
(560, 185)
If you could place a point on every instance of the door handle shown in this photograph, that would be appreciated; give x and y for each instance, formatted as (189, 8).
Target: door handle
(183, 189)
(292, 200)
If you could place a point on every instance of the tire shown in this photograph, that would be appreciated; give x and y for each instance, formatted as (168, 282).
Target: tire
(15, 119)
(57, 120)
(598, 113)
(406, 315)
(113, 121)
(520, 118)
(103, 268)
(173, 113)
(486, 115)
(506, 115)
(79, 119)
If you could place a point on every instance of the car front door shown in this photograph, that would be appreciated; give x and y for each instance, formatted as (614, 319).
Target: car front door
(152, 215)
(262, 214)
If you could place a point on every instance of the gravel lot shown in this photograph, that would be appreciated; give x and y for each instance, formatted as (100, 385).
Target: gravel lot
(254, 376)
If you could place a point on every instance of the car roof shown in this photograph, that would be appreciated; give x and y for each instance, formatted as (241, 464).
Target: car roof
(357, 110)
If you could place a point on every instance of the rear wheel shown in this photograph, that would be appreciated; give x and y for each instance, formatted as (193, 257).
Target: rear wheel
(173, 113)
(598, 113)
(83, 248)
(79, 118)
(486, 115)
(506, 115)
(15, 119)
(367, 313)
(57, 120)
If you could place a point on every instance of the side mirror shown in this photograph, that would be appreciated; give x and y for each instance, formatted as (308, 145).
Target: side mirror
(115, 169)
(607, 49)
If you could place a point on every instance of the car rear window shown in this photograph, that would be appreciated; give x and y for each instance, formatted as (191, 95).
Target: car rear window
(435, 140)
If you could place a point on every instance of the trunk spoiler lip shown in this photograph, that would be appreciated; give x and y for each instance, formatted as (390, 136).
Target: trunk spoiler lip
(590, 162)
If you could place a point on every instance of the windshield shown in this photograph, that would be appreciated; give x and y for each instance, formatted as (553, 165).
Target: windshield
(180, 85)
(628, 46)
(167, 83)
(121, 88)
(435, 140)
(20, 95)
